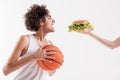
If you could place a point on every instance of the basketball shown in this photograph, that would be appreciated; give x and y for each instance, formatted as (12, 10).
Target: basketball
(55, 63)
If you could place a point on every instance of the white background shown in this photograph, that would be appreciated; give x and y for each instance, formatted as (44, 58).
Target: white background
(84, 57)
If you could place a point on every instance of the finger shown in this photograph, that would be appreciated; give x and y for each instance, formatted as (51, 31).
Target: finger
(50, 57)
(44, 52)
(47, 60)
(51, 52)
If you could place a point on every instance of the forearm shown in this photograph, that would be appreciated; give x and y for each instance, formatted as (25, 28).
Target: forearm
(18, 64)
(105, 42)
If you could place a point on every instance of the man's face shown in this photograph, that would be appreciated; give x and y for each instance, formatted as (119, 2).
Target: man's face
(49, 23)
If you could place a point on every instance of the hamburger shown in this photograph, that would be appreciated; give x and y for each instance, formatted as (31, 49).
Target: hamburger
(79, 26)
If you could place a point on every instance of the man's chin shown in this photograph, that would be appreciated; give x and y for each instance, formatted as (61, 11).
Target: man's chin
(52, 30)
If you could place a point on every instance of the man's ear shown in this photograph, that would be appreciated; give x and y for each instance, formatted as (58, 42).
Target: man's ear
(41, 22)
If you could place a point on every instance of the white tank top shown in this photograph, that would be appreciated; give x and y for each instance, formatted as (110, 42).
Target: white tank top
(31, 71)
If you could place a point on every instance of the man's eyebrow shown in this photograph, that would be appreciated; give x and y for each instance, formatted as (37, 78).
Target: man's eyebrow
(48, 15)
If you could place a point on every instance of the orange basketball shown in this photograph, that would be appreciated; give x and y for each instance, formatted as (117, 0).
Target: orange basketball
(55, 63)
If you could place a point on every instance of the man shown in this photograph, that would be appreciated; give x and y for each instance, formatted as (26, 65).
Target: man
(28, 49)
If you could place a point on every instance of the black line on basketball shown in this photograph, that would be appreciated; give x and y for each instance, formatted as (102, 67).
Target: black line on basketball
(45, 64)
(54, 61)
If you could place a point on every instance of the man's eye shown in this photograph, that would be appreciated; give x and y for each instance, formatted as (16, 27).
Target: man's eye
(49, 17)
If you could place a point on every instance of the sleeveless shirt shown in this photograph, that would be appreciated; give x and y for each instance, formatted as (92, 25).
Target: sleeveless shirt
(31, 71)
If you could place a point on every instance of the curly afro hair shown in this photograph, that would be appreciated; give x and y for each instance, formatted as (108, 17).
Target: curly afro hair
(34, 15)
